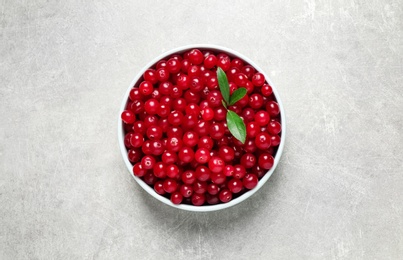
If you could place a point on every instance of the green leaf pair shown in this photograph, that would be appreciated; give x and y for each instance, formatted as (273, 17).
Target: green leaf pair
(235, 124)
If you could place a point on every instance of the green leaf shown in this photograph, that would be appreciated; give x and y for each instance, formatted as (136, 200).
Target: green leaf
(236, 126)
(237, 95)
(224, 104)
(223, 83)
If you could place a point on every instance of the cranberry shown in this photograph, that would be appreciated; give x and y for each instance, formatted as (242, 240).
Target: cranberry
(250, 146)
(229, 170)
(190, 138)
(189, 121)
(192, 109)
(170, 185)
(252, 129)
(210, 61)
(159, 188)
(150, 121)
(266, 90)
(220, 113)
(274, 128)
(213, 189)
(275, 140)
(161, 64)
(239, 171)
(240, 79)
(135, 94)
(212, 82)
(169, 157)
(262, 118)
(174, 131)
(186, 154)
(136, 140)
(263, 141)
(138, 170)
(173, 65)
(202, 127)
(176, 197)
(196, 84)
(248, 160)
(200, 187)
(185, 64)
(162, 74)
(134, 155)
(216, 164)
(202, 155)
(198, 199)
(250, 181)
(258, 79)
(217, 130)
(173, 144)
(148, 162)
(266, 161)
(175, 118)
(183, 81)
(186, 190)
(272, 108)
(256, 101)
(218, 177)
(151, 76)
(202, 173)
(205, 142)
(147, 147)
(165, 88)
(196, 57)
(188, 177)
(226, 153)
(207, 113)
(248, 71)
(225, 195)
(237, 63)
(235, 185)
(128, 117)
(224, 63)
(154, 133)
(163, 111)
(194, 71)
(191, 97)
(258, 171)
(150, 178)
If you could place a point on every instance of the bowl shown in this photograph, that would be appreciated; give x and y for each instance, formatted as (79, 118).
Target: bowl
(204, 208)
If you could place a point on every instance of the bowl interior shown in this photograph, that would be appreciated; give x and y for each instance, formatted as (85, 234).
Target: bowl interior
(137, 80)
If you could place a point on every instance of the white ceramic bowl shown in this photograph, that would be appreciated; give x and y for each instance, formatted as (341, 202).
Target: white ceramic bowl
(205, 208)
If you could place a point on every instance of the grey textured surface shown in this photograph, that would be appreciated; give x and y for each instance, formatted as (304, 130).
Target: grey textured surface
(65, 192)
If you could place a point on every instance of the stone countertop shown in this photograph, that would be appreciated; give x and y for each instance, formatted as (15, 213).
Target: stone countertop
(65, 192)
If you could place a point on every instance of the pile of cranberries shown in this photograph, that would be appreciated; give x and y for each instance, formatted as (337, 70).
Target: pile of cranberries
(176, 131)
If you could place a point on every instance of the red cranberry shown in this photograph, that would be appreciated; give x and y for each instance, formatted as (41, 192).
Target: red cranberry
(248, 71)
(274, 127)
(235, 185)
(148, 162)
(128, 117)
(224, 63)
(173, 65)
(263, 141)
(162, 74)
(237, 63)
(134, 155)
(158, 187)
(138, 170)
(275, 140)
(170, 185)
(266, 161)
(202, 155)
(154, 133)
(151, 76)
(248, 160)
(239, 171)
(252, 129)
(198, 199)
(272, 108)
(218, 177)
(225, 195)
(186, 190)
(176, 197)
(229, 170)
(250, 181)
(226, 153)
(186, 154)
(136, 140)
(262, 118)
(196, 57)
(188, 177)
(258, 79)
(216, 164)
(210, 61)
(169, 157)
(205, 142)
(217, 131)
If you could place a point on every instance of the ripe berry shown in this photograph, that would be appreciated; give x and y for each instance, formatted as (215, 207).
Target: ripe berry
(169, 157)
(173, 65)
(202, 173)
(196, 84)
(237, 63)
(275, 140)
(202, 155)
(266, 161)
(224, 63)
(218, 177)
(170, 185)
(210, 61)
(240, 79)
(250, 181)
(176, 197)
(212, 199)
(226, 153)
(263, 141)
(248, 71)
(151, 76)
(239, 171)
(186, 154)
(146, 88)
(229, 170)
(154, 133)
(225, 195)
(217, 130)
(214, 98)
(173, 144)
(274, 127)
(266, 90)
(216, 164)
(148, 162)
(205, 142)
(190, 138)
(207, 113)
(256, 101)
(198, 199)
(138, 170)
(136, 140)
(252, 129)
(258, 79)
(162, 74)
(134, 155)
(186, 190)
(248, 160)
(183, 81)
(159, 188)
(135, 94)
(272, 108)
(262, 118)
(200, 187)
(188, 177)
(235, 185)
(175, 118)
(196, 57)
(150, 178)
(213, 189)
(128, 117)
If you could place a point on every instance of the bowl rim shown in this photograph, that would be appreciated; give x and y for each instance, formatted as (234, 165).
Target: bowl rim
(205, 208)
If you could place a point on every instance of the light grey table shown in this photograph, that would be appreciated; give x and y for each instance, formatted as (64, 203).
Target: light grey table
(66, 194)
